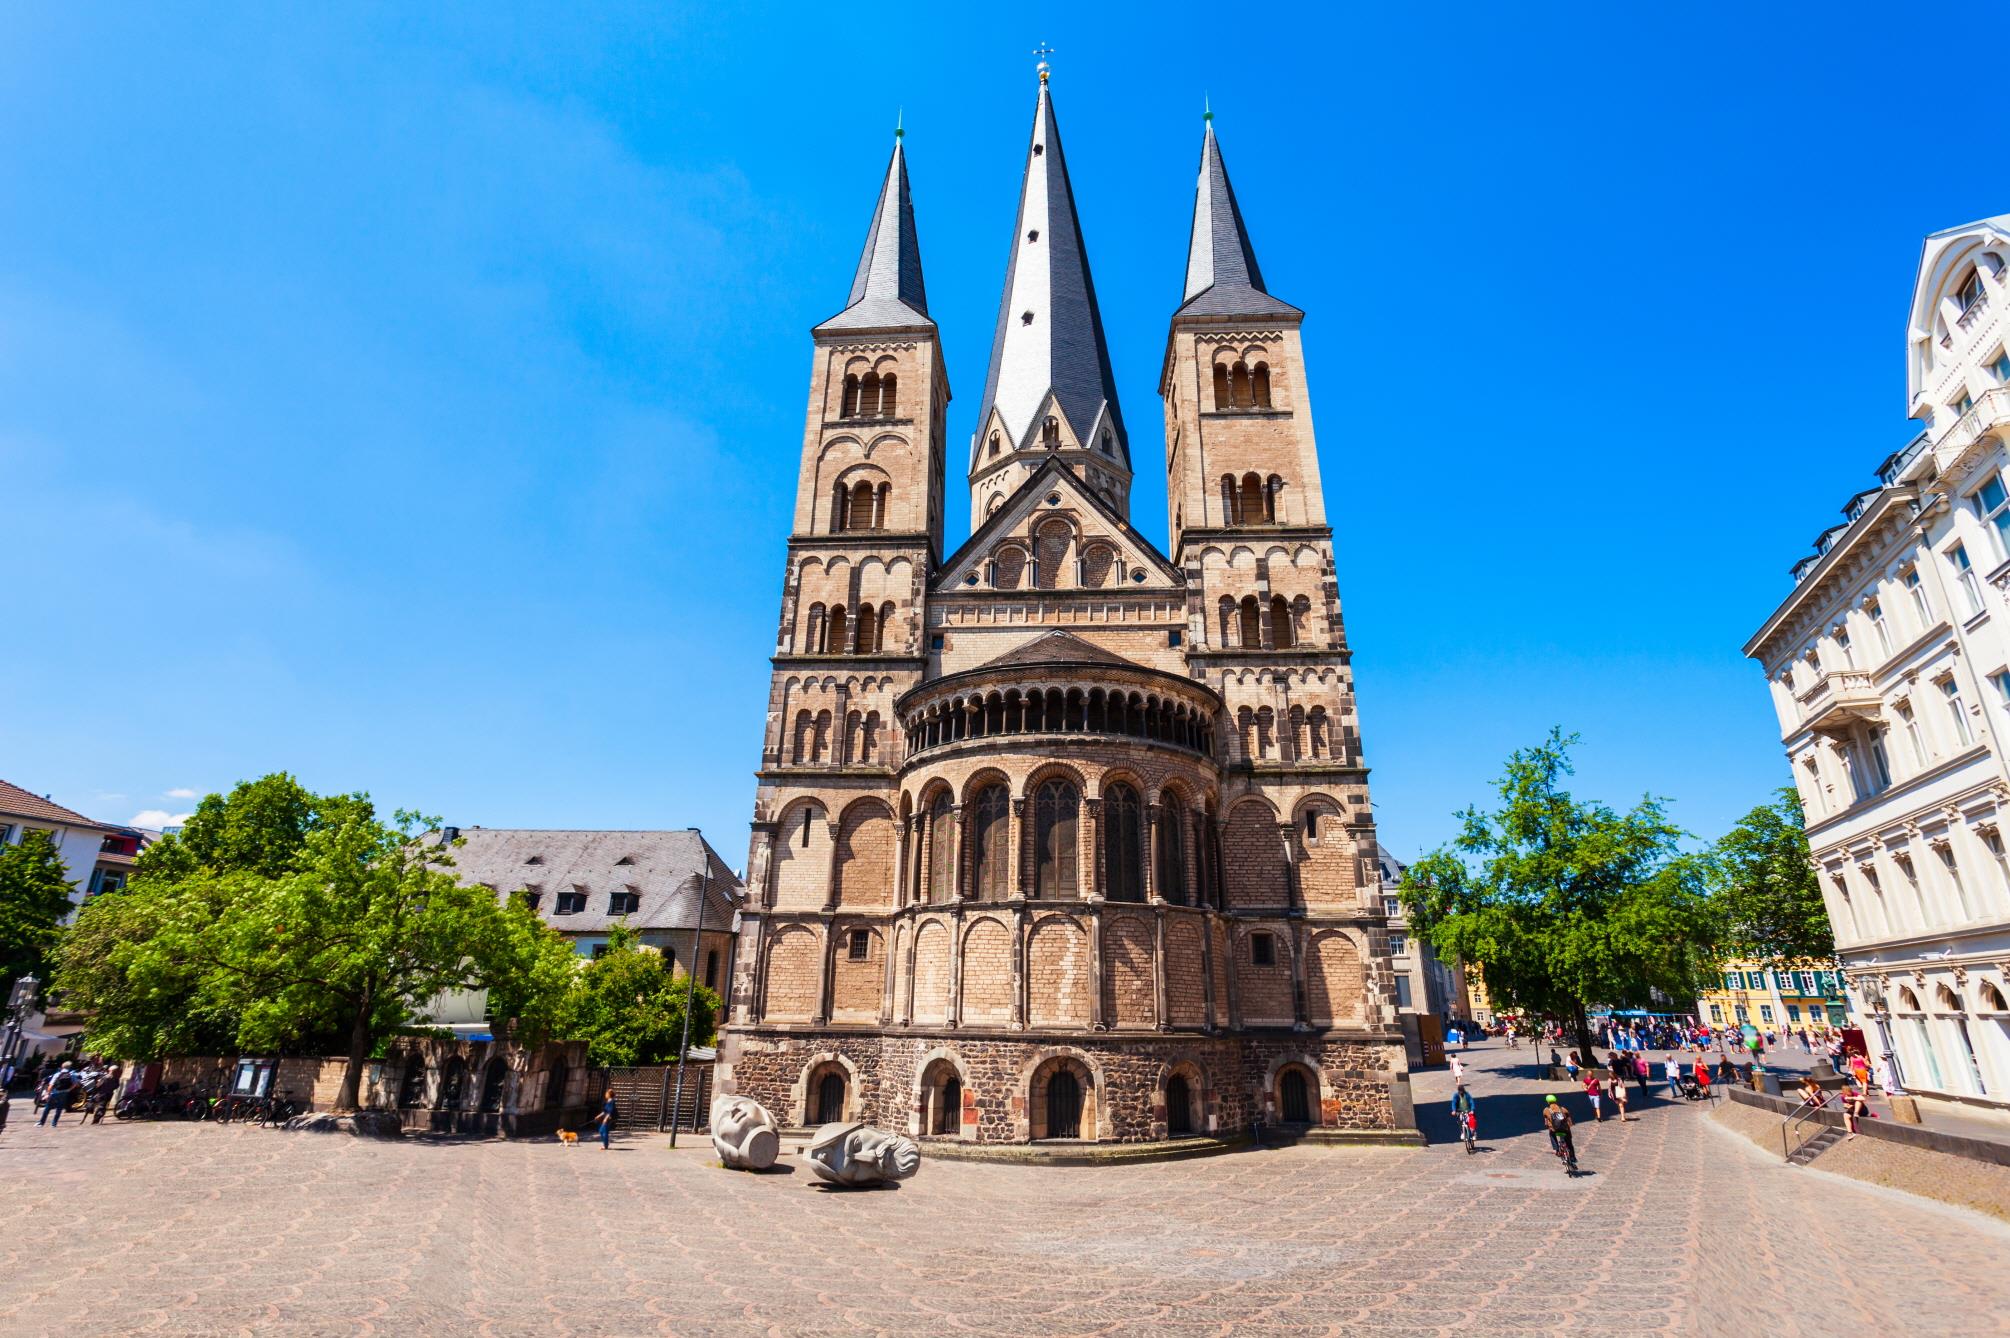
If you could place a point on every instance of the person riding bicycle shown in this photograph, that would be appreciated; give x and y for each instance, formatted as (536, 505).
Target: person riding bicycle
(1463, 1113)
(1557, 1120)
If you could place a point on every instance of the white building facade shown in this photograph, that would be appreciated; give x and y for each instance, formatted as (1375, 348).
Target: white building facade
(1890, 670)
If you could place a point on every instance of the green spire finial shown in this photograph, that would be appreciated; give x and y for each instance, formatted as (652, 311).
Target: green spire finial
(1206, 110)
(899, 116)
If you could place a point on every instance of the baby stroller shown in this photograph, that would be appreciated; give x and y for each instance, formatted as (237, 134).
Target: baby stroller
(1691, 1089)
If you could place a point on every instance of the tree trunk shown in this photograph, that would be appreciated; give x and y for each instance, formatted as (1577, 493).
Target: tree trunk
(351, 1095)
(1580, 1025)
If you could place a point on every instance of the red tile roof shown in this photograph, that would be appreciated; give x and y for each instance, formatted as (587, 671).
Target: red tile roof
(16, 802)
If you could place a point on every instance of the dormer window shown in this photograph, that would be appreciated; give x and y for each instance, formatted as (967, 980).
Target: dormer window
(1050, 433)
(1971, 294)
(626, 859)
(1025, 318)
(625, 902)
(1033, 236)
(1039, 149)
(535, 859)
(570, 903)
(1109, 443)
(994, 443)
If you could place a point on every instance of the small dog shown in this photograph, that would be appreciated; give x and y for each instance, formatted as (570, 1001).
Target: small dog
(568, 1137)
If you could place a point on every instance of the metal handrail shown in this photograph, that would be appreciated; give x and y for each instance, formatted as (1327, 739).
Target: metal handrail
(1795, 1117)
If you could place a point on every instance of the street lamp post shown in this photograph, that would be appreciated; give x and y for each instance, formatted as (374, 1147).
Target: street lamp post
(691, 988)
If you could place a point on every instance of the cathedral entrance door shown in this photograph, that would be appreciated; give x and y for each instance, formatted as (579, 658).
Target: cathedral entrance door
(830, 1099)
(1064, 1106)
(1179, 1108)
(1295, 1107)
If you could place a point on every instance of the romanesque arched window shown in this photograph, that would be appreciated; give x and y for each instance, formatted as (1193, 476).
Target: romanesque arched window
(1231, 500)
(805, 738)
(820, 742)
(1252, 511)
(1271, 488)
(859, 512)
(1259, 385)
(1238, 384)
(1172, 852)
(1222, 398)
(1123, 844)
(941, 850)
(848, 408)
(814, 642)
(996, 441)
(867, 634)
(1055, 805)
(989, 850)
(868, 396)
(887, 385)
(1317, 738)
(1283, 634)
(839, 635)
(1251, 623)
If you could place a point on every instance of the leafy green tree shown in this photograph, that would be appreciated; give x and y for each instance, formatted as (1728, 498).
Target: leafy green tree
(260, 827)
(1763, 887)
(34, 898)
(629, 1006)
(370, 927)
(1563, 902)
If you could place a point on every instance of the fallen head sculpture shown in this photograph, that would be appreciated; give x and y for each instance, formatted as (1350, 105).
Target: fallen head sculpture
(744, 1134)
(856, 1155)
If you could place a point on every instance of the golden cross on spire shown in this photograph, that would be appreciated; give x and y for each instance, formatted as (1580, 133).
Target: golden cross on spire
(1043, 51)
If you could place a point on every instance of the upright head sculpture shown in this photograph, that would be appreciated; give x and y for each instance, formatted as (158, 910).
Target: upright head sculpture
(856, 1155)
(744, 1134)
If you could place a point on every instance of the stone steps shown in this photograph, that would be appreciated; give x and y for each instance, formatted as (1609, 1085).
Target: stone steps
(1816, 1146)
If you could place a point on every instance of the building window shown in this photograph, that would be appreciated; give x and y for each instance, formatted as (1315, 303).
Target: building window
(1915, 588)
(2000, 680)
(1912, 739)
(1717, 1012)
(1733, 981)
(1263, 949)
(1402, 991)
(1964, 576)
(599, 949)
(569, 903)
(1992, 503)
(1398, 944)
(1956, 711)
(1879, 763)
(2000, 369)
(623, 903)
(1971, 294)
(1843, 649)
(1123, 844)
(859, 946)
(1766, 1013)
(989, 826)
(1055, 806)
(1875, 612)
(1392, 906)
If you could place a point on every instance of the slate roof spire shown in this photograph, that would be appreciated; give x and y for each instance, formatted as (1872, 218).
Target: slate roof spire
(887, 291)
(1049, 340)
(1222, 278)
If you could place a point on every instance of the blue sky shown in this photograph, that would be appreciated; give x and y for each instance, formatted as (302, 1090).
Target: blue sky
(409, 396)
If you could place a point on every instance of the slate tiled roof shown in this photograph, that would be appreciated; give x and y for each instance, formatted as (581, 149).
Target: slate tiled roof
(887, 291)
(16, 802)
(1061, 349)
(664, 867)
(1222, 277)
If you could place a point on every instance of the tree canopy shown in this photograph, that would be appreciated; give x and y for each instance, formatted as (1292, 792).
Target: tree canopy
(1767, 900)
(629, 1006)
(288, 922)
(34, 898)
(1564, 902)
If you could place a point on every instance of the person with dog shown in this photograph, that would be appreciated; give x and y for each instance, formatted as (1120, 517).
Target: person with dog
(606, 1120)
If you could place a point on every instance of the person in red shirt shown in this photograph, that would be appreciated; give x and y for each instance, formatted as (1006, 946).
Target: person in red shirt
(1592, 1089)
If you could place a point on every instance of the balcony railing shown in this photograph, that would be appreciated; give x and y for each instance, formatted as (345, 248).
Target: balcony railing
(1989, 413)
(1839, 700)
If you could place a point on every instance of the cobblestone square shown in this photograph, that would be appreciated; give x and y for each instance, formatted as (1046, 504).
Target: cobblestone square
(1678, 1227)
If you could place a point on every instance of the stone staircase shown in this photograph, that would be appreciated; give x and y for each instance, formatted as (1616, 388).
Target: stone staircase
(1823, 1140)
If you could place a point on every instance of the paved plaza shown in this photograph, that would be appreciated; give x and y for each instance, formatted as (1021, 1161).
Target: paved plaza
(1678, 1227)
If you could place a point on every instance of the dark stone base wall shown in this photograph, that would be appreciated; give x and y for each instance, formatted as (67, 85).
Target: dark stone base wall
(1362, 1084)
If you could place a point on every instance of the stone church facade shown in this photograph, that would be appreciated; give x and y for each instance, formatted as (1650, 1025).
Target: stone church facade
(1058, 837)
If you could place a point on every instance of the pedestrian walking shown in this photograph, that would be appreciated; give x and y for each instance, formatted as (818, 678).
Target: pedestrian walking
(1619, 1098)
(56, 1099)
(1859, 1068)
(1674, 1073)
(1592, 1090)
(606, 1120)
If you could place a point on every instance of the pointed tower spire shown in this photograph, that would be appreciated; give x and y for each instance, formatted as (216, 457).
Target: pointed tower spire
(1222, 278)
(886, 292)
(1048, 357)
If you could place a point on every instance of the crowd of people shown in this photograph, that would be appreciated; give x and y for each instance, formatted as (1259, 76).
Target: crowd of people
(87, 1086)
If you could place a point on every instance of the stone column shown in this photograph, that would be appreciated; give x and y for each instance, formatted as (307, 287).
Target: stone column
(1295, 897)
(1021, 970)
(841, 721)
(1159, 1000)
(1015, 867)
(746, 977)
(959, 883)
(822, 1012)
(1234, 970)
(1296, 938)
(761, 863)
(956, 967)
(831, 829)
(1151, 855)
(1210, 1005)
(1089, 872)
(1098, 1019)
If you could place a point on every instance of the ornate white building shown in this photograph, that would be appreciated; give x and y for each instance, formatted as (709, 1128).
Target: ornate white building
(1890, 670)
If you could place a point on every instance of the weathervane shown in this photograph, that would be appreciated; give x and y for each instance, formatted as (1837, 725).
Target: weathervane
(1043, 51)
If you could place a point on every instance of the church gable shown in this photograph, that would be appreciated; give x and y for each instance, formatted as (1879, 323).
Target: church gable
(1056, 533)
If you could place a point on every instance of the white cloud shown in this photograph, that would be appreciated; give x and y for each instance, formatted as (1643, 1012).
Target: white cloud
(158, 817)
(181, 792)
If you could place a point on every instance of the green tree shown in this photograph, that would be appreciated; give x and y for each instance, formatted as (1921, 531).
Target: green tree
(629, 1006)
(1564, 903)
(1763, 888)
(34, 898)
(370, 927)
(133, 961)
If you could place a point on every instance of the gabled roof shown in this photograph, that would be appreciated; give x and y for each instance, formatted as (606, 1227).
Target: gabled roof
(1222, 277)
(1054, 474)
(16, 802)
(666, 871)
(1061, 349)
(887, 292)
(1058, 647)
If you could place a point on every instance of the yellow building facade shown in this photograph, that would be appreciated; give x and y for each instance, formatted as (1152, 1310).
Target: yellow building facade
(1805, 993)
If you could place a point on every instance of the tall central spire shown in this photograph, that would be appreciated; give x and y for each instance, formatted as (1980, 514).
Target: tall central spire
(1222, 278)
(1050, 387)
(886, 291)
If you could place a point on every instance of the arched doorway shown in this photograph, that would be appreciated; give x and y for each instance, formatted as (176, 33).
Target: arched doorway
(554, 1085)
(412, 1092)
(827, 1098)
(1064, 1105)
(949, 1109)
(453, 1082)
(1294, 1098)
(493, 1078)
(1179, 1107)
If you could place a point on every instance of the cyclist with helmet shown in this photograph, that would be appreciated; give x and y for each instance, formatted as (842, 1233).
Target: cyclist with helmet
(1557, 1120)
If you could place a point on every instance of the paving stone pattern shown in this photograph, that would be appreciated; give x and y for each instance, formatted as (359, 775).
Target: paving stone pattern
(1679, 1227)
